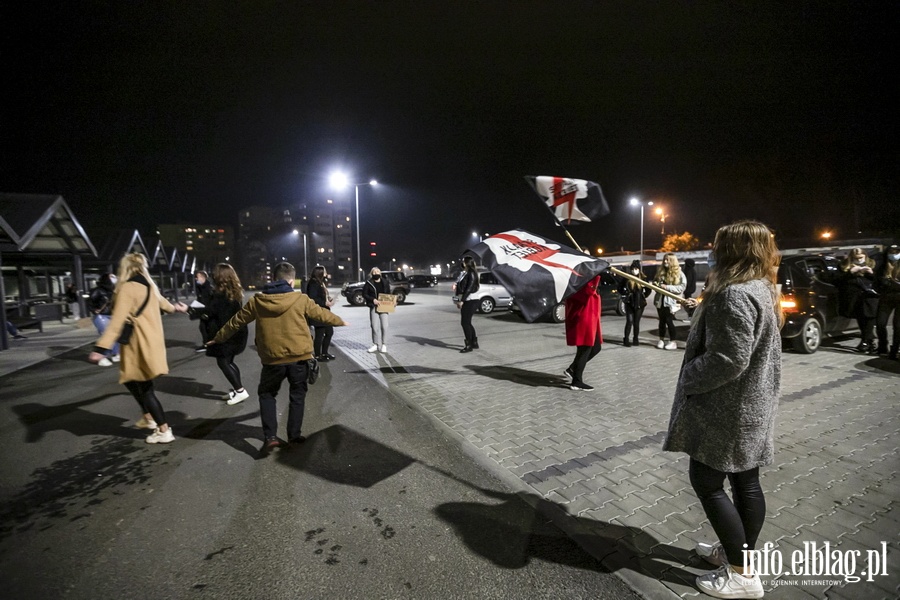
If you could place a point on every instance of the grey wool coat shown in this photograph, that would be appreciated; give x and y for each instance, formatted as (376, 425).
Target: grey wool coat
(730, 382)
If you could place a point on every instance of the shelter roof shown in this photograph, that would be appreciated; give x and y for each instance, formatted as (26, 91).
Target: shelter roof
(121, 243)
(41, 224)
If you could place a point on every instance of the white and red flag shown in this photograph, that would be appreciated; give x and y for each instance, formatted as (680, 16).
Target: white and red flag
(539, 273)
(571, 200)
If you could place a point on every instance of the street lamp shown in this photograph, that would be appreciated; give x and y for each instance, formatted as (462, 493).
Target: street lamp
(636, 202)
(662, 219)
(305, 256)
(339, 181)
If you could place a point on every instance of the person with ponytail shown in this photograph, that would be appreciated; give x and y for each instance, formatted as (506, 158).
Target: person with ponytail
(723, 415)
(137, 300)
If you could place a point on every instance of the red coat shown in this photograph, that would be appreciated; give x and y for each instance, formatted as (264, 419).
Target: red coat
(583, 316)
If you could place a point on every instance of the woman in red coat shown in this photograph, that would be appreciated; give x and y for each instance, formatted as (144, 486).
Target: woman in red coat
(583, 331)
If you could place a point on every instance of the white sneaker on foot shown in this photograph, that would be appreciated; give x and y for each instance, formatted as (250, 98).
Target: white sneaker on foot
(235, 397)
(672, 346)
(115, 358)
(714, 554)
(104, 362)
(724, 582)
(145, 423)
(161, 437)
(373, 349)
(383, 348)
(661, 344)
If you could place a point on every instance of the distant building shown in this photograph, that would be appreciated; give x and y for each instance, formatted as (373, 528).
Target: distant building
(267, 236)
(208, 244)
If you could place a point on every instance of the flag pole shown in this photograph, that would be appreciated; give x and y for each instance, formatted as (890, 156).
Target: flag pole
(653, 287)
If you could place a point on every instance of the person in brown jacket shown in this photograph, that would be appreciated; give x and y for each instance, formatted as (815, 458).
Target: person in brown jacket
(143, 358)
(285, 348)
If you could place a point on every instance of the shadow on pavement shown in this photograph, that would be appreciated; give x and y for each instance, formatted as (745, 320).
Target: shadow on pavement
(884, 364)
(430, 342)
(228, 430)
(40, 419)
(516, 375)
(185, 386)
(514, 532)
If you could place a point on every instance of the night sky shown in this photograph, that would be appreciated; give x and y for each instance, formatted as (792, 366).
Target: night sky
(154, 112)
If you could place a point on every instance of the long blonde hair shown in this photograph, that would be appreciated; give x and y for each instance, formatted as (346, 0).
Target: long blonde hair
(133, 264)
(669, 271)
(848, 263)
(744, 251)
(227, 282)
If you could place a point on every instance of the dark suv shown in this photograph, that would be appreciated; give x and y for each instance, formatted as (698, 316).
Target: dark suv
(399, 287)
(422, 280)
(810, 299)
(609, 299)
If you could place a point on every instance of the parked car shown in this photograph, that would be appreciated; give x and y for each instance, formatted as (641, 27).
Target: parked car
(609, 299)
(810, 299)
(491, 294)
(422, 280)
(399, 287)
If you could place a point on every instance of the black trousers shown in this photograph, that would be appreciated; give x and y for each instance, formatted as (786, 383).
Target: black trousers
(666, 321)
(738, 521)
(322, 339)
(466, 312)
(583, 355)
(269, 383)
(230, 370)
(633, 319)
(887, 305)
(146, 398)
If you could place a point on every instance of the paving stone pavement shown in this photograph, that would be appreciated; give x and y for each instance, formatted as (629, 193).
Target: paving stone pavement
(597, 455)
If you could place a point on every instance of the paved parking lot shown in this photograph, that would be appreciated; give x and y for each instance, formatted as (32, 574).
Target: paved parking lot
(592, 460)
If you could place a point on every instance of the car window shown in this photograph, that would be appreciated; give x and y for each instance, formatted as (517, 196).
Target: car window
(487, 279)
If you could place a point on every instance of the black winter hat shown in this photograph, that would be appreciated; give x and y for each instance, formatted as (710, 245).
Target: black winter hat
(635, 264)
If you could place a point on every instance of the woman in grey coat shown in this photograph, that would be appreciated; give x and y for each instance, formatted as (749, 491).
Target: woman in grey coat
(723, 415)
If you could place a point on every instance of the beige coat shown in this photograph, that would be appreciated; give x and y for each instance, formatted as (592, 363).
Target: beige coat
(144, 358)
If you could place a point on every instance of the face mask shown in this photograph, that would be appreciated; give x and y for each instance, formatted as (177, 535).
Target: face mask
(861, 260)
(894, 256)
(634, 271)
(113, 279)
(376, 277)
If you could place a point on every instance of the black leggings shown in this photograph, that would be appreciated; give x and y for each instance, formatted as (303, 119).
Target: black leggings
(633, 318)
(666, 320)
(143, 393)
(322, 341)
(466, 312)
(583, 355)
(735, 522)
(230, 370)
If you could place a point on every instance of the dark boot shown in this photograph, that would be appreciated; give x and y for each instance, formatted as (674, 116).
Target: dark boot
(882, 348)
(893, 353)
(475, 343)
(627, 343)
(467, 347)
(635, 342)
(863, 347)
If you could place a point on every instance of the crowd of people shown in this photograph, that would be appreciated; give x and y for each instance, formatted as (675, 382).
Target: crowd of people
(731, 367)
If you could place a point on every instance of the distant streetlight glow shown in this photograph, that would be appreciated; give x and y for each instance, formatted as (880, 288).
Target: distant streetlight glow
(339, 181)
(636, 202)
(599, 251)
(826, 235)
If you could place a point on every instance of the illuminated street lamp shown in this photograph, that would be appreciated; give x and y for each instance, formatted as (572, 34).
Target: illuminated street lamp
(599, 251)
(826, 235)
(662, 219)
(305, 256)
(339, 181)
(636, 202)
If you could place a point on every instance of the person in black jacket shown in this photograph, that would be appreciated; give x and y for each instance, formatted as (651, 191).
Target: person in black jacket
(858, 298)
(100, 304)
(222, 304)
(466, 285)
(316, 290)
(634, 296)
(887, 284)
(203, 289)
(376, 284)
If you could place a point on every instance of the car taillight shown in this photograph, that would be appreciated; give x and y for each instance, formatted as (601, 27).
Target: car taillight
(788, 303)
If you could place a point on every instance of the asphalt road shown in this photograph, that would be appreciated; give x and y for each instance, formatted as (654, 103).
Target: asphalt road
(376, 504)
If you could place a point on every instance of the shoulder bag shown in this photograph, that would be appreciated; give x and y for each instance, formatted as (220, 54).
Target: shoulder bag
(128, 327)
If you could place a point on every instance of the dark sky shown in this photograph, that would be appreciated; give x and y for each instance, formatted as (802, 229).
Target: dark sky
(143, 113)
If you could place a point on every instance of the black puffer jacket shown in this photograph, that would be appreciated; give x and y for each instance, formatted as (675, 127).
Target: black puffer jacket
(214, 315)
(634, 296)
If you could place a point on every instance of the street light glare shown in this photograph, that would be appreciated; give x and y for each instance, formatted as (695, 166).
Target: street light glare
(296, 232)
(338, 180)
(373, 182)
(634, 202)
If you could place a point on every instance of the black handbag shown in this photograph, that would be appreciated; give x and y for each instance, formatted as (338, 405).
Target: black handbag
(128, 327)
(312, 371)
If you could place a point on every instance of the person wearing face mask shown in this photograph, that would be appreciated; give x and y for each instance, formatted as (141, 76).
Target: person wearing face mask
(634, 296)
(887, 284)
(670, 278)
(858, 298)
(375, 285)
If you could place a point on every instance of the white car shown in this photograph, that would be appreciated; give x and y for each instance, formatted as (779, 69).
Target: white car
(490, 294)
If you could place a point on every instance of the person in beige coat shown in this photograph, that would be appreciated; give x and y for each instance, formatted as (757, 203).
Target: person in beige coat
(143, 359)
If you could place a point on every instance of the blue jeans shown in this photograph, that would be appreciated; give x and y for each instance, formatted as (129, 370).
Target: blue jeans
(270, 381)
(101, 322)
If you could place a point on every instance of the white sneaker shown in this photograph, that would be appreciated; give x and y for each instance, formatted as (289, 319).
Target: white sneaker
(115, 358)
(672, 346)
(383, 348)
(373, 349)
(714, 554)
(725, 583)
(104, 362)
(660, 344)
(145, 423)
(160, 437)
(237, 397)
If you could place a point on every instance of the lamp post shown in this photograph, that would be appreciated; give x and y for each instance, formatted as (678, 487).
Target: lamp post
(662, 220)
(339, 181)
(636, 202)
(305, 256)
